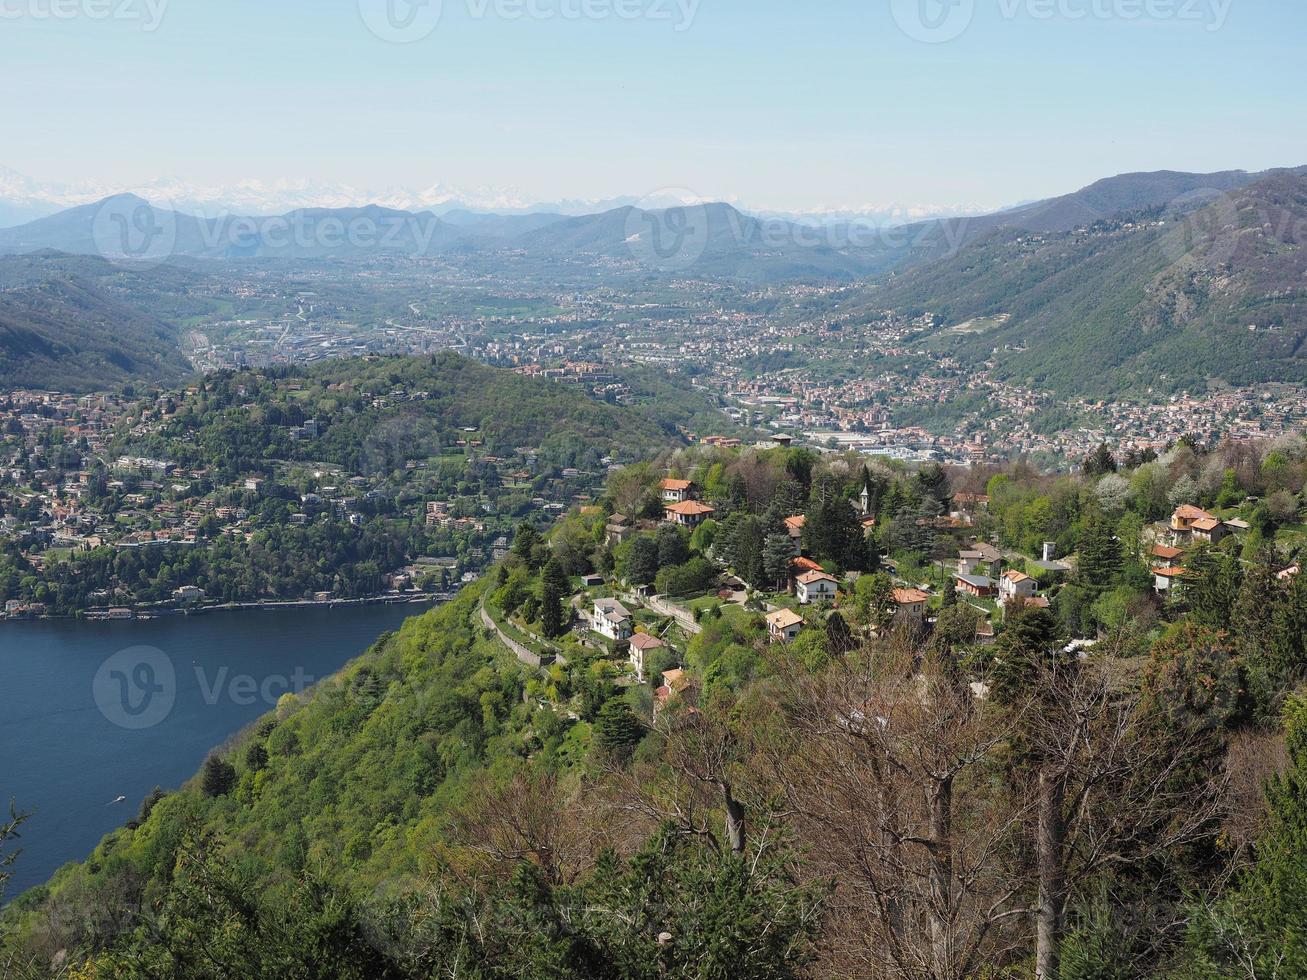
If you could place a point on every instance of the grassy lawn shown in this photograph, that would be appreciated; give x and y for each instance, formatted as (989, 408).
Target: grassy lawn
(703, 602)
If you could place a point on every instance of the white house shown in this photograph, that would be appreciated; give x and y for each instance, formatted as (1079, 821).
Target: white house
(676, 491)
(784, 625)
(612, 619)
(689, 513)
(1167, 578)
(813, 587)
(1015, 585)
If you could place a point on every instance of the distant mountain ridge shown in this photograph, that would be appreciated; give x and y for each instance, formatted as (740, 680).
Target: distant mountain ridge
(1158, 298)
(719, 239)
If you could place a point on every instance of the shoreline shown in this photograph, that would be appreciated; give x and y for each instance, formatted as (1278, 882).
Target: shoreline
(102, 616)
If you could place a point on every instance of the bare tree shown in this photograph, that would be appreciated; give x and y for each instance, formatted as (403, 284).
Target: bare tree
(696, 783)
(888, 776)
(534, 816)
(1107, 788)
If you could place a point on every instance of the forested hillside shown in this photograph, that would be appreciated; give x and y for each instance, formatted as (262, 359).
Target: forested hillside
(1162, 299)
(1091, 777)
(370, 411)
(67, 333)
(335, 480)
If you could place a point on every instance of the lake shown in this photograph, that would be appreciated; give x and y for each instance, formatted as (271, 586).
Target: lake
(95, 715)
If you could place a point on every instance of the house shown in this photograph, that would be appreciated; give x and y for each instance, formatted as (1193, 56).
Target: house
(911, 606)
(188, 593)
(815, 586)
(689, 513)
(971, 501)
(794, 526)
(611, 619)
(676, 491)
(980, 586)
(978, 556)
(676, 686)
(591, 581)
(784, 625)
(618, 530)
(1162, 555)
(1209, 529)
(1190, 523)
(1289, 573)
(642, 644)
(1167, 578)
(1015, 586)
(1185, 515)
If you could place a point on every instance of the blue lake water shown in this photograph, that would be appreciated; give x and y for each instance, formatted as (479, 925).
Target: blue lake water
(90, 712)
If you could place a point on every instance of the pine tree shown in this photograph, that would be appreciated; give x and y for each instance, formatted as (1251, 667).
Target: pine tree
(839, 638)
(1100, 553)
(639, 565)
(1212, 586)
(616, 728)
(1100, 462)
(219, 777)
(553, 597)
(525, 542)
(777, 553)
(672, 549)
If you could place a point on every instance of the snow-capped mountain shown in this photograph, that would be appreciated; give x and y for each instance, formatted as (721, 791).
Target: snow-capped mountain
(24, 199)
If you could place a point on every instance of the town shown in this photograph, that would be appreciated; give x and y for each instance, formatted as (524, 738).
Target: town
(876, 384)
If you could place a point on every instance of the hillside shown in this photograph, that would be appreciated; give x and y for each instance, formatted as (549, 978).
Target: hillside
(1162, 299)
(362, 423)
(66, 332)
(711, 801)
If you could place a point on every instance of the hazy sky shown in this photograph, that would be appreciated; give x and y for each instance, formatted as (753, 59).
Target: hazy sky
(803, 104)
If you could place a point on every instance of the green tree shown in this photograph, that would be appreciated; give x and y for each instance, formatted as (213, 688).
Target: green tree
(1100, 553)
(777, 553)
(616, 728)
(1211, 588)
(1259, 929)
(527, 543)
(554, 592)
(1100, 461)
(218, 777)
(839, 638)
(672, 548)
(874, 597)
(638, 564)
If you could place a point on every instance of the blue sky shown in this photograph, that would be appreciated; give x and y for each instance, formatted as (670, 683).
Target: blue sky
(798, 105)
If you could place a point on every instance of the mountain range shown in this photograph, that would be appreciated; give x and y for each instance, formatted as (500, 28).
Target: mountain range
(1160, 296)
(1158, 281)
(24, 199)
